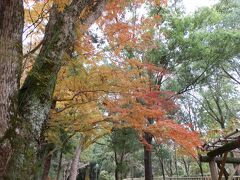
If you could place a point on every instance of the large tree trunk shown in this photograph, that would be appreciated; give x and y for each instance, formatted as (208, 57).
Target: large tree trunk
(37, 91)
(11, 29)
(36, 94)
(19, 135)
(148, 158)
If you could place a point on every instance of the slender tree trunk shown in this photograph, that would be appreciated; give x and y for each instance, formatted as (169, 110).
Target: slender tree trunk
(11, 29)
(66, 172)
(171, 167)
(121, 161)
(116, 174)
(162, 167)
(47, 165)
(75, 161)
(59, 165)
(200, 167)
(148, 159)
(186, 166)
(148, 164)
(175, 160)
(118, 170)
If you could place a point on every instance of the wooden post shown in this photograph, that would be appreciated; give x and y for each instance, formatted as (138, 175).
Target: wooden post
(222, 166)
(213, 169)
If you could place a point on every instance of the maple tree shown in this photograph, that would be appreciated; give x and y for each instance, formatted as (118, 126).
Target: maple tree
(29, 105)
(146, 106)
(64, 79)
(186, 81)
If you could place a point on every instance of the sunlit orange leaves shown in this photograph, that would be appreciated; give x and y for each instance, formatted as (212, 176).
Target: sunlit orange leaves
(112, 83)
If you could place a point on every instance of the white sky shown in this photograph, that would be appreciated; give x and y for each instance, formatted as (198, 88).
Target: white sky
(192, 5)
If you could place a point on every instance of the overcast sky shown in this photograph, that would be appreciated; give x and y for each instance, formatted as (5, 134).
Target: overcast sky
(192, 5)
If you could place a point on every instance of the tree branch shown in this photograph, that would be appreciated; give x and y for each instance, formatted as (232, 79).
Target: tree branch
(36, 93)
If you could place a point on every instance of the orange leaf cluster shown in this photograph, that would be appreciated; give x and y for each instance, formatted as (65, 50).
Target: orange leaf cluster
(92, 94)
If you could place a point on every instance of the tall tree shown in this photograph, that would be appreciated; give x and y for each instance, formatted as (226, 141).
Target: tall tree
(11, 30)
(188, 46)
(24, 111)
(191, 47)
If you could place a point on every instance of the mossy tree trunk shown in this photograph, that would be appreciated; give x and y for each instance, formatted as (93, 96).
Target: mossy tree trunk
(23, 112)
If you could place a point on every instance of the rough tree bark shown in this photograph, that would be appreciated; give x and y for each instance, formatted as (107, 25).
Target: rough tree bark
(11, 29)
(37, 91)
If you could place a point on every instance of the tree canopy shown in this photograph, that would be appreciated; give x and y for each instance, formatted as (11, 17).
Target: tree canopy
(122, 74)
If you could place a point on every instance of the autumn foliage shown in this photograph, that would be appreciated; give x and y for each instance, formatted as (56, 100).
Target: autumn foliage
(111, 84)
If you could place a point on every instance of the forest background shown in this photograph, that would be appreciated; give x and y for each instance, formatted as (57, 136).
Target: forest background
(128, 88)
